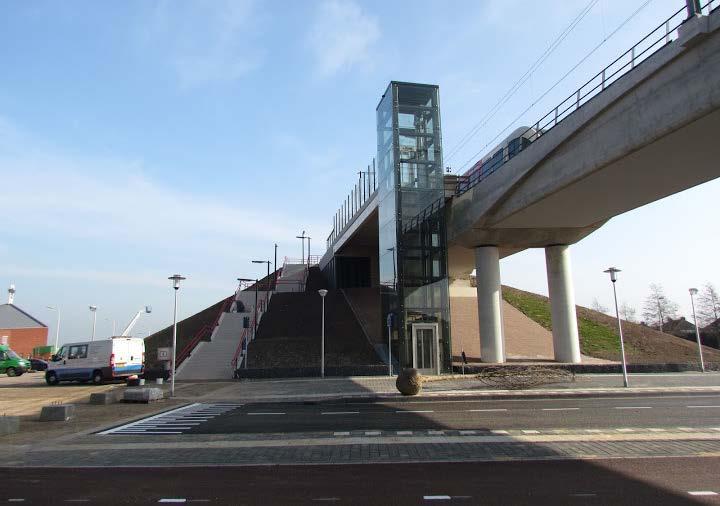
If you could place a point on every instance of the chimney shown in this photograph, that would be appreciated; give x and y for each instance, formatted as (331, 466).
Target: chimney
(11, 293)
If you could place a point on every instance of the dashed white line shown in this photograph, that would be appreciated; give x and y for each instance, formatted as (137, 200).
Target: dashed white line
(626, 430)
(372, 433)
(700, 406)
(633, 407)
(266, 413)
(531, 432)
(417, 411)
(436, 432)
(341, 433)
(173, 500)
(468, 432)
(436, 497)
(501, 432)
(560, 409)
(404, 433)
(485, 410)
(340, 413)
(652, 429)
(701, 492)
(593, 431)
(17, 499)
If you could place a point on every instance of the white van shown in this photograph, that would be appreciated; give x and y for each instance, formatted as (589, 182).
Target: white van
(97, 361)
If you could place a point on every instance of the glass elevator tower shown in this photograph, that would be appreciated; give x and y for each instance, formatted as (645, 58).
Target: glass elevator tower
(411, 219)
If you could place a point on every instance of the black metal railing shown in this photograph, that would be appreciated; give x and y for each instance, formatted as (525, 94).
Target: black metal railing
(355, 202)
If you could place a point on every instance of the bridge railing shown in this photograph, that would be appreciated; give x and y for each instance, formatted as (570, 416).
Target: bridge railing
(665, 33)
(361, 193)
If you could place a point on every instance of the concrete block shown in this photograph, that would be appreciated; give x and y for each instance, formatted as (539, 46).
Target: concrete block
(109, 397)
(143, 395)
(9, 425)
(57, 413)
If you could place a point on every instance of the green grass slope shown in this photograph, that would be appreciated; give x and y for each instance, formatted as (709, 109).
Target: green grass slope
(599, 336)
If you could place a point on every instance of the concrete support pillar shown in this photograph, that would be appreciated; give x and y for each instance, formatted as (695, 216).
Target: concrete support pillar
(489, 297)
(566, 341)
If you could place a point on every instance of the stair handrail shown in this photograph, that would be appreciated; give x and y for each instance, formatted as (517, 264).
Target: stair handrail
(203, 332)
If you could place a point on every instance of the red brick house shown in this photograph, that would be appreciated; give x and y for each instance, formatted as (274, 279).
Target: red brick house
(20, 330)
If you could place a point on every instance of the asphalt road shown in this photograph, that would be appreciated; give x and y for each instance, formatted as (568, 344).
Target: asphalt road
(568, 413)
(676, 481)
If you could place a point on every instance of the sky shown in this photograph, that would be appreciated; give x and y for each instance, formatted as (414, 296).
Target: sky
(140, 139)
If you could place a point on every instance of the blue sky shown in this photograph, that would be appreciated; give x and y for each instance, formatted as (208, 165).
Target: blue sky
(141, 138)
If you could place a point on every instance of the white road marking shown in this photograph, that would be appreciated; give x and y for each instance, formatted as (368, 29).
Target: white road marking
(696, 407)
(593, 431)
(340, 413)
(701, 492)
(266, 413)
(531, 432)
(499, 432)
(656, 430)
(17, 499)
(372, 432)
(560, 409)
(484, 410)
(341, 433)
(436, 497)
(436, 432)
(633, 407)
(468, 432)
(417, 411)
(626, 430)
(404, 433)
(178, 500)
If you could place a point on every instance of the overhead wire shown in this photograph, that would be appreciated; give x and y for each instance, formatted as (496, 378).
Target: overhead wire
(545, 93)
(518, 84)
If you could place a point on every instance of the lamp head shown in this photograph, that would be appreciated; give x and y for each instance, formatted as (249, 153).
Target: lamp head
(92, 308)
(693, 291)
(176, 278)
(613, 273)
(322, 292)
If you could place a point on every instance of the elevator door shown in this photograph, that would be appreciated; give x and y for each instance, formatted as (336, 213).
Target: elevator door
(425, 348)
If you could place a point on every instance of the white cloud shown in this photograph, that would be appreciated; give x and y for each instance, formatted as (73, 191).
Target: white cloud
(341, 36)
(204, 42)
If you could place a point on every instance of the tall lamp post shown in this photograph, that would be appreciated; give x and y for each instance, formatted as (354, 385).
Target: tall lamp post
(57, 326)
(662, 318)
(176, 278)
(613, 277)
(302, 238)
(322, 293)
(693, 293)
(308, 255)
(93, 309)
(275, 270)
(267, 279)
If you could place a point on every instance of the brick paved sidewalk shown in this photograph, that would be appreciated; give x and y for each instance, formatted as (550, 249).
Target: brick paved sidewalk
(470, 451)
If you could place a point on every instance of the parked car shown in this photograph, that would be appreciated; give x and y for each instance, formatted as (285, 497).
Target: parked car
(11, 363)
(38, 364)
(97, 361)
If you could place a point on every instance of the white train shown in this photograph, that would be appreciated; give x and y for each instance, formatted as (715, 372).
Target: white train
(519, 139)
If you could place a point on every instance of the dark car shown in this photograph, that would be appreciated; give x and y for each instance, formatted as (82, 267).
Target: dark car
(38, 364)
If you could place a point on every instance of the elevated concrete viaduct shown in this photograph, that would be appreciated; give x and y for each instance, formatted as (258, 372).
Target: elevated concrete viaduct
(651, 134)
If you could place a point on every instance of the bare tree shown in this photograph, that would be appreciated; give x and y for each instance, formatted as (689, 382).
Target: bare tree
(598, 307)
(658, 308)
(708, 305)
(627, 312)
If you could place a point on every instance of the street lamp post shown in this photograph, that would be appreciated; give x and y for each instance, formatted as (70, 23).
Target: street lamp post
(322, 293)
(267, 279)
(660, 313)
(302, 238)
(93, 309)
(275, 270)
(613, 277)
(57, 326)
(693, 292)
(308, 255)
(176, 278)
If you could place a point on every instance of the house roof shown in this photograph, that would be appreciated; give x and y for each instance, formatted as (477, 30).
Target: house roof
(12, 317)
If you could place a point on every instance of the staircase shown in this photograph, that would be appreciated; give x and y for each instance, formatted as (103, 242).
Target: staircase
(211, 360)
(289, 335)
